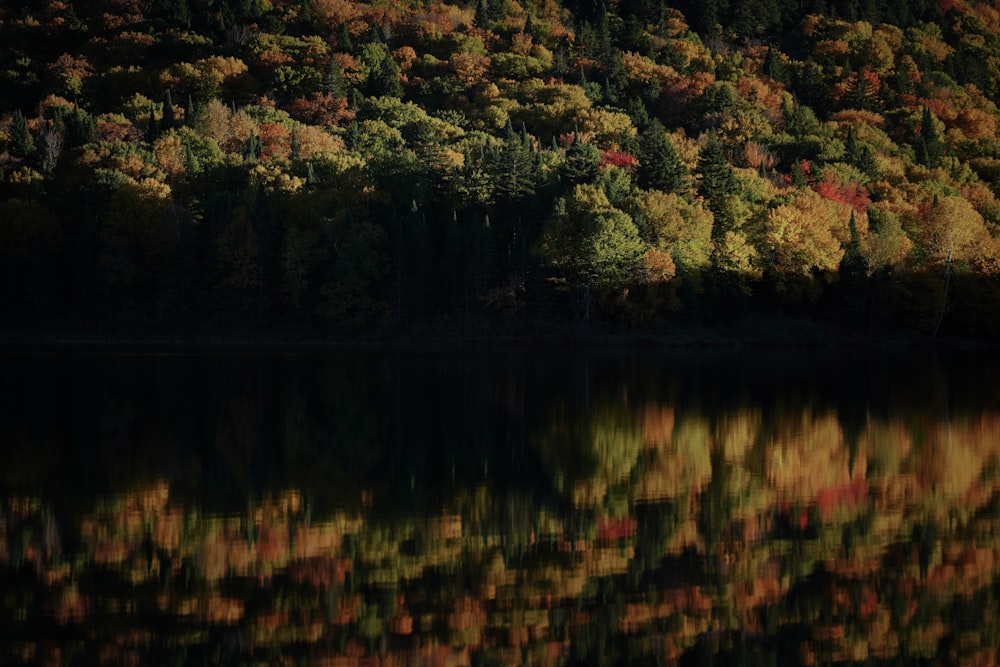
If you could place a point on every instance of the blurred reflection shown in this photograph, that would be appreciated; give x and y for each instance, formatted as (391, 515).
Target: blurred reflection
(550, 509)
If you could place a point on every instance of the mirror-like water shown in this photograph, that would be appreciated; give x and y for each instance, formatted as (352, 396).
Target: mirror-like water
(737, 507)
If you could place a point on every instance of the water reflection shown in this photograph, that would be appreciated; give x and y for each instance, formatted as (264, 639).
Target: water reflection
(680, 508)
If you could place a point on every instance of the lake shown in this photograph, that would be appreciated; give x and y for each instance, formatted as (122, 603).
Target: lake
(342, 507)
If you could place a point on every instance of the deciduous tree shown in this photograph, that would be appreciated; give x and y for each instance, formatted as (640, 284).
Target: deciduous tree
(590, 243)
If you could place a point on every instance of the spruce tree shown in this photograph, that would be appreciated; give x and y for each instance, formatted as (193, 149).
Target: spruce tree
(930, 146)
(152, 128)
(852, 150)
(169, 119)
(660, 166)
(79, 126)
(345, 41)
(191, 111)
(384, 79)
(20, 135)
(529, 26)
(636, 109)
(582, 163)
(512, 167)
(333, 80)
(295, 150)
(716, 174)
(852, 264)
(716, 183)
(773, 67)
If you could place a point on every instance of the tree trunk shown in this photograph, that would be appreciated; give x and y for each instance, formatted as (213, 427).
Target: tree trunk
(944, 297)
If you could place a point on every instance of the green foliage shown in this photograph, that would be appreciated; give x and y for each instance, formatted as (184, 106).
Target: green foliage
(660, 166)
(591, 243)
(449, 116)
(20, 135)
(716, 182)
(382, 72)
(581, 162)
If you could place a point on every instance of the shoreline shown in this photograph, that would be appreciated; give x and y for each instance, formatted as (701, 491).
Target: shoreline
(752, 334)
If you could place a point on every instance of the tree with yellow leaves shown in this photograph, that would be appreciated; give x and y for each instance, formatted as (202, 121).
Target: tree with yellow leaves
(948, 230)
(804, 238)
(591, 244)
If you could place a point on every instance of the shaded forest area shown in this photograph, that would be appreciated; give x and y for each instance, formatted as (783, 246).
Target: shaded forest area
(206, 167)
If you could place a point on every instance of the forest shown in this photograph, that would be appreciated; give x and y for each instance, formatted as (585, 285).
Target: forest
(342, 168)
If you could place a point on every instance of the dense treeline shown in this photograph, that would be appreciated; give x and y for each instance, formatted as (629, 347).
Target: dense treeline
(200, 166)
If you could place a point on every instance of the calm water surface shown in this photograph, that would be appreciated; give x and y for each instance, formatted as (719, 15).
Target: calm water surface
(737, 507)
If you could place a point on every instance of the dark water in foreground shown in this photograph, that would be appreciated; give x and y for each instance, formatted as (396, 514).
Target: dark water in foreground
(735, 507)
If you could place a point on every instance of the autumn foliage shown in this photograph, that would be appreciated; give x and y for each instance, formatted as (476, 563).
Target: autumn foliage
(450, 134)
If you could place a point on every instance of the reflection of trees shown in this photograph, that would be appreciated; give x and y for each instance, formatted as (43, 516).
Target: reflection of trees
(591, 452)
(689, 527)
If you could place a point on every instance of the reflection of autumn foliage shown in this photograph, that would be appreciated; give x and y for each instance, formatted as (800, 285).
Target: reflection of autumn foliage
(812, 520)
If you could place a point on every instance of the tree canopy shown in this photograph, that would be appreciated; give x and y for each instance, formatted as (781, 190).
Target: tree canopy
(216, 169)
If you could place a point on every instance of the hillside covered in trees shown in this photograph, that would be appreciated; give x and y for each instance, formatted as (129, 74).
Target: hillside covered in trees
(335, 167)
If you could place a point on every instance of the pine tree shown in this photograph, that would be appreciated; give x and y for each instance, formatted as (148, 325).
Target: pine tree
(252, 148)
(636, 109)
(482, 19)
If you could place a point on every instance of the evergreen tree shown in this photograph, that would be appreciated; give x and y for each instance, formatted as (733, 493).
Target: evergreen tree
(716, 182)
(852, 265)
(930, 146)
(191, 111)
(252, 148)
(295, 149)
(636, 109)
(773, 67)
(169, 119)
(852, 149)
(529, 26)
(604, 48)
(716, 178)
(482, 17)
(383, 80)
(345, 42)
(333, 79)
(582, 163)
(20, 135)
(191, 164)
(512, 168)
(78, 126)
(660, 166)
